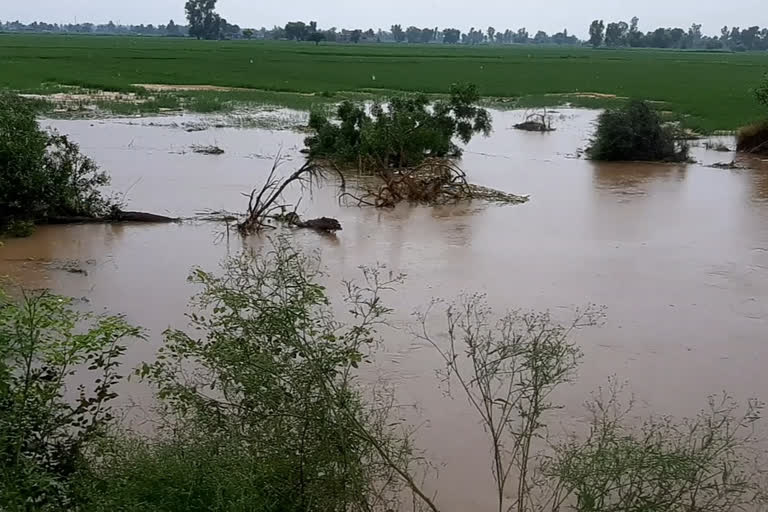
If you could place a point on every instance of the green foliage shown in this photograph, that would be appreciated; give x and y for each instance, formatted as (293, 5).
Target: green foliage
(635, 132)
(43, 174)
(508, 368)
(708, 463)
(209, 103)
(185, 473)
(401, 134)
(19, 228)
(761, 92)
(44, 344)
(274, 383)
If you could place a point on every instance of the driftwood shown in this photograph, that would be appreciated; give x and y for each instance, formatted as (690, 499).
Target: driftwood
(435, 181)
(265, 203)
(536, 122)
(208, 150)
(120, 216)
(326, 224)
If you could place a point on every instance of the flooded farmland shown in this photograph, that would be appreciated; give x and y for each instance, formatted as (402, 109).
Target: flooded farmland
(678, 254)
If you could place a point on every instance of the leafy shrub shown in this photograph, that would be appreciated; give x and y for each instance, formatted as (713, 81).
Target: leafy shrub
(706, 463)
(401, 134)
(635, 132)
(42, 434)
(274, 384)
(185, 472)
(43, 174)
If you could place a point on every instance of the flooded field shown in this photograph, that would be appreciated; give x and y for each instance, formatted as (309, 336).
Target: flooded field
(677, 253)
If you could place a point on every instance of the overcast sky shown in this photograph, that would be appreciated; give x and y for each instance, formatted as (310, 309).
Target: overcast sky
(549, 15)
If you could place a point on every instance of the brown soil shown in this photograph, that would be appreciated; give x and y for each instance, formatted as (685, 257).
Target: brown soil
(753, 139)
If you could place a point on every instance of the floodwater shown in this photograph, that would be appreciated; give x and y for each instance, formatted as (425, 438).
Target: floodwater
(677, 253)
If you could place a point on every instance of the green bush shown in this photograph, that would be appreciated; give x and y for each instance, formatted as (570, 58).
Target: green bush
(710, 462)
(43, 174)
(44, 342)
(636, 132)
(401, 134)
(275, 386)
(184, 473)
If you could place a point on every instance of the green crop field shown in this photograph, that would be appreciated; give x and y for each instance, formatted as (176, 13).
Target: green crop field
(711, 90)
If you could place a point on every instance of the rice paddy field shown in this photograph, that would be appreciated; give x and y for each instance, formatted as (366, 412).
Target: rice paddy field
(709, 91)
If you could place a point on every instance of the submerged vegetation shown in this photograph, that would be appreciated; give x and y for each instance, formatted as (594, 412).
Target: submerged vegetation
(408, 145)
(401, 133)
(275, 417)
(636, 132)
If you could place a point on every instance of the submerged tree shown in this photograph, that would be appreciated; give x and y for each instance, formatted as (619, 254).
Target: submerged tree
(636, 132)
(401, 133)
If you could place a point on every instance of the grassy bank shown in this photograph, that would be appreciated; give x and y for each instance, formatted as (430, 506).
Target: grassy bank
(710, 89)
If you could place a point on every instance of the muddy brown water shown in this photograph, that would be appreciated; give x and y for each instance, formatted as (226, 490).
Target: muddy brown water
(677, 253)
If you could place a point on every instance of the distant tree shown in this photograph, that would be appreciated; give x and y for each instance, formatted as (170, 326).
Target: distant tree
(451, 35)
(413, 34)
(499, 38)
(634, 37)
(749, 37)
(316, 37)
(204, 23)
(397, 33)
(355, 35)
(427, 35)
(612, 35)
(661, 38)
(172, 29)
(248, 33)
(676, 36)
(541, 37)
(735, 37)
(694, 36)
(522, 36)
(296, 30)
(596, 33)
(491, 34)
(725, 34)
(312, 26)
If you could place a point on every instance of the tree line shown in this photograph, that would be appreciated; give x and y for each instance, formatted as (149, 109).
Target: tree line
(171, 29)
(623, 34)
(205, 23)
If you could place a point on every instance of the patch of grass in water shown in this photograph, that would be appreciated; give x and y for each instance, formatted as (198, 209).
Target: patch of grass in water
(151, 106)
(209, 103)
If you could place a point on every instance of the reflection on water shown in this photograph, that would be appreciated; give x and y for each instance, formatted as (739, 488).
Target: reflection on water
(678, 254)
